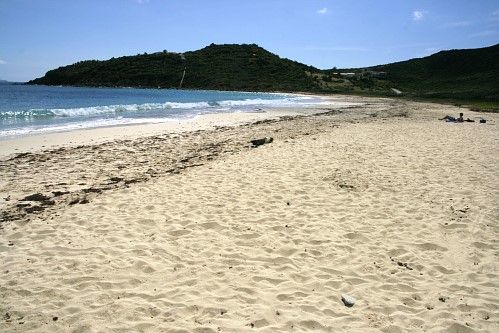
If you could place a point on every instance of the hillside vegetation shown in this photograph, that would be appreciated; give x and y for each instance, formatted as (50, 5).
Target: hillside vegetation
(457, 74)
(217, 67)
(467, 75)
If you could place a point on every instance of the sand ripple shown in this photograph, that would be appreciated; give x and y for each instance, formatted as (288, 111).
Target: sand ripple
(268, 239)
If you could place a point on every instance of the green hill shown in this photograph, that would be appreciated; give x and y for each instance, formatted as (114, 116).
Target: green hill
(457, 74)
(217, 67)
(468, 75)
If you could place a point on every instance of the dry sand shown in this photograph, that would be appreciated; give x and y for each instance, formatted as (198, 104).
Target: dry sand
(195, 232)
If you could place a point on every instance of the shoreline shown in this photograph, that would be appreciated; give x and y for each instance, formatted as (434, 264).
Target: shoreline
(40, 142)
(88, 136)
(194, 230)
(87, 129)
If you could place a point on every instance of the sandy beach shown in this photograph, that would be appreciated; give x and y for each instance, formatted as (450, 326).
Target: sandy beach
(184, 228)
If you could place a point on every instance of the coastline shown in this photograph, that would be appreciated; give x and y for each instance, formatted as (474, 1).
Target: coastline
(93, 135)
(186, 228)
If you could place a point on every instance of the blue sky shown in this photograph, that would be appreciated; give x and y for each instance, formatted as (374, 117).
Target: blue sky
(39, 35)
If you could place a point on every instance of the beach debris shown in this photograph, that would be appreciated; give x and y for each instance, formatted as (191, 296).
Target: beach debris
(74, 201)
(116, 179)
(404, 264)
(36, 197)
(349, 301)
(60, 193)
(259, 142)
(346, 186)
(43, 200)
(92, 190)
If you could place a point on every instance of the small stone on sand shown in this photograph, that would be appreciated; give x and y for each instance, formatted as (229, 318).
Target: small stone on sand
(348, 300)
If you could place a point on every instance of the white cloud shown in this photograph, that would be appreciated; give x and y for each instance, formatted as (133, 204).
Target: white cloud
(484, 33)
(322, 11)
(418, 15)
(494, 15)
(458, 24)
(3, 62)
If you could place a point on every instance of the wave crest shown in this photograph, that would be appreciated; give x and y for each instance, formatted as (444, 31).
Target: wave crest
(139, 108)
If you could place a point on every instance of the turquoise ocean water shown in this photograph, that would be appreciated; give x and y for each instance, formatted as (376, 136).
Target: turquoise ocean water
(27, 110)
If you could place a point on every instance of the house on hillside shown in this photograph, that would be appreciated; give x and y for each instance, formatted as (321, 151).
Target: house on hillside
(345, 74)
(378, 75)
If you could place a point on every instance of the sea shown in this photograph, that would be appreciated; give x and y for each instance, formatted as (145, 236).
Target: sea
(30, 109)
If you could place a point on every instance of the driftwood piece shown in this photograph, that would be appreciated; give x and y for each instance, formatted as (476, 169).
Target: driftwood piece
(259, 142)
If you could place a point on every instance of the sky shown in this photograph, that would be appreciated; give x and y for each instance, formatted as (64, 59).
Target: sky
(40, 35)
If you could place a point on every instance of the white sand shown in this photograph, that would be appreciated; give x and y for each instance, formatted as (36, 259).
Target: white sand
(382, 202)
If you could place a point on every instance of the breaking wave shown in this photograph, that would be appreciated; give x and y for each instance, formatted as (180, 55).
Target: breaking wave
(26, 110)
(212, 106)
